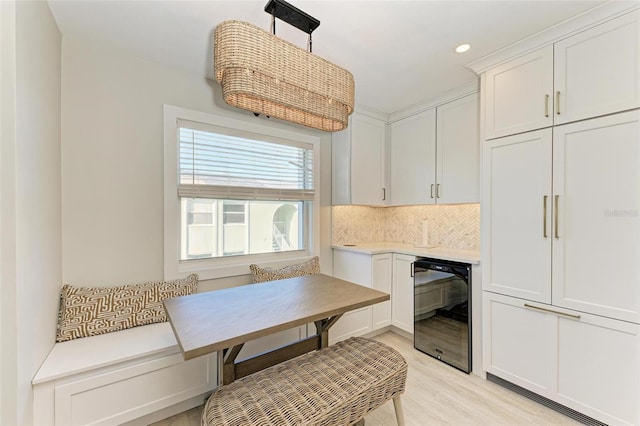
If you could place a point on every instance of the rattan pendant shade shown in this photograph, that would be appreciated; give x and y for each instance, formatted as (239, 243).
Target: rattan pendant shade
(265, 74)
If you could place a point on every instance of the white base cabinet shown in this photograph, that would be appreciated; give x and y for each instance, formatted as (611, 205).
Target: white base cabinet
(585, 362)
(402, 299)
(372, 271)
(133, 376)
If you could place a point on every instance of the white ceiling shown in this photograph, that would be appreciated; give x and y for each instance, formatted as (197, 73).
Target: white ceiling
(401, 53)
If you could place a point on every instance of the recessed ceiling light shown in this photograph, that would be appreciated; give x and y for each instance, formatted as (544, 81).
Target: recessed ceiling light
(463, 48)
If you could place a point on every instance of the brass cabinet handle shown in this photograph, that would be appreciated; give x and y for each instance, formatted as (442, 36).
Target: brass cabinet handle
(431, 190)
(546, 105)
(438, 191)
(558, 102)
(564, 314)
(544, 216)
(384, 194)
(555, 215)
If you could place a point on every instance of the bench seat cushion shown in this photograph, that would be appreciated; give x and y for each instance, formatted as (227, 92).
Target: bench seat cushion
(337, 385)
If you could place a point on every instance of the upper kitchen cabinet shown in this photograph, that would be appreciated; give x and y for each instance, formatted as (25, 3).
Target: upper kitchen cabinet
(435, 155)
(458, 151)
(413, 159)
(518, 94)
(358, 162)
(596, 71)
(589, 74)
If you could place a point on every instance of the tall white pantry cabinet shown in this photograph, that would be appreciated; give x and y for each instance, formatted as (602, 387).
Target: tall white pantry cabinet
(561, 221)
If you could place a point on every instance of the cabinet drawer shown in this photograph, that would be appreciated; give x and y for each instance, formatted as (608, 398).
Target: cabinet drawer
(599, 368)
(588, 363)
(519, 343)
(128, 393)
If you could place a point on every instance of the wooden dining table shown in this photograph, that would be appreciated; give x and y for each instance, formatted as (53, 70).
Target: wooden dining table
(223, 320)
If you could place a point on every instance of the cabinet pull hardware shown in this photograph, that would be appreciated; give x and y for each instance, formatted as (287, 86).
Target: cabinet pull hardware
(438, 191)
(538, 308)
(558, 102)
(544, 216)
(431, 190)
(384, 194)
(546, 105)
(555, 216)
(413, 269)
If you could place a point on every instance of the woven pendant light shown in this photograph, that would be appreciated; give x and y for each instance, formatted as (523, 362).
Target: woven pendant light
(264, 74)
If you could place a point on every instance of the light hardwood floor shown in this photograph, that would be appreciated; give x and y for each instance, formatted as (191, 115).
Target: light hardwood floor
(437, 394)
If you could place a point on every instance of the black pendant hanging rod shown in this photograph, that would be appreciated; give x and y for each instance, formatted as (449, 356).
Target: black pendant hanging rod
(292, 15)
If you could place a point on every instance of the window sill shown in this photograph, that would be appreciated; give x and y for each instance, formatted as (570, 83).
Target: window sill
(224, 268)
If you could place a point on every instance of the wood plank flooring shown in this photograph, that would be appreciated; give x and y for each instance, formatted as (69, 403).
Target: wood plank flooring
(438, 394)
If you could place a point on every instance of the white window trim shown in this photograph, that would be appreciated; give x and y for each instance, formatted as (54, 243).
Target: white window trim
(233, 265)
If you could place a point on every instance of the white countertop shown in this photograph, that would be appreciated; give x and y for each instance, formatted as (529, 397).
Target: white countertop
(456, 255)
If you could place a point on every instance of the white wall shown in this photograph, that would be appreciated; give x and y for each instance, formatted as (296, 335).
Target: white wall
(112, 133)
(8, 352)
(31, 201)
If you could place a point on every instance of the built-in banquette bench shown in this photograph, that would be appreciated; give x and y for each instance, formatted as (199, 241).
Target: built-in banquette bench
(116, 358)
(118, 377)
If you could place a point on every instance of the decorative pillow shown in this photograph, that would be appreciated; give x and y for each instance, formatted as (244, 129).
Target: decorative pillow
(88, 311)
(263, 274)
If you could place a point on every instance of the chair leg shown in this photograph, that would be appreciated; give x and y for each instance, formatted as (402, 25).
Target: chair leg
(397, 404)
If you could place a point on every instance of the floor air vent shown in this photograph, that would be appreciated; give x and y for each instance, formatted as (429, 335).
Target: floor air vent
(586, 420)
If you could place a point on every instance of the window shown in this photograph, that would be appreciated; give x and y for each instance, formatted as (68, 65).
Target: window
(242, 193)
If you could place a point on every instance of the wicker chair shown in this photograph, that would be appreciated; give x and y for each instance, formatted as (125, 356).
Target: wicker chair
(337, 385)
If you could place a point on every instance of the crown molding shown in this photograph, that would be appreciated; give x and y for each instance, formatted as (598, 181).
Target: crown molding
(370, 112)
(567, 28)
(443, 98)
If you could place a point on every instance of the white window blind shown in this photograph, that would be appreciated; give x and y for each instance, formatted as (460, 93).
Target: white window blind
(222, 163)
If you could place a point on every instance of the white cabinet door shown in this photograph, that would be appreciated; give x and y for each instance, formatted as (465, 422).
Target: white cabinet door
(381, 280)
(596, 244)
(402, 292)
(516, 218)
(412, 163)
(358, 162)
(599, 368)
(356, 268)
(520, 344)
(367, 161)
(458, 151)
(597, 71)
(519, 94)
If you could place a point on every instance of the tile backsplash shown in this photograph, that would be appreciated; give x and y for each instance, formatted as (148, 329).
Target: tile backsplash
(452, 226)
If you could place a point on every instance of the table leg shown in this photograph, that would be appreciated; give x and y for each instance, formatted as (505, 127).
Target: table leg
(228, 364)
(322, 328)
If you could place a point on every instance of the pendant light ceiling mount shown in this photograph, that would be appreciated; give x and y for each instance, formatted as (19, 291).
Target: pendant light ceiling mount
(292, 15)
(264, 74)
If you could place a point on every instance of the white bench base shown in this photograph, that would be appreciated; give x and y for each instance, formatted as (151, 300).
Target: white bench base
(119, 377)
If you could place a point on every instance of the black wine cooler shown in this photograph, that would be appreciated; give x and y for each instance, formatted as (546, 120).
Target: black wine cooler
(442, 311)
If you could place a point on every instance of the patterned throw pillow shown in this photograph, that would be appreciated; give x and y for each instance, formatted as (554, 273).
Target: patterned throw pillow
(263, 274)
(89, 311)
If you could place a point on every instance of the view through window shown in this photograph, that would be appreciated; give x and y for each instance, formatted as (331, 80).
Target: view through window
(240, 195)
